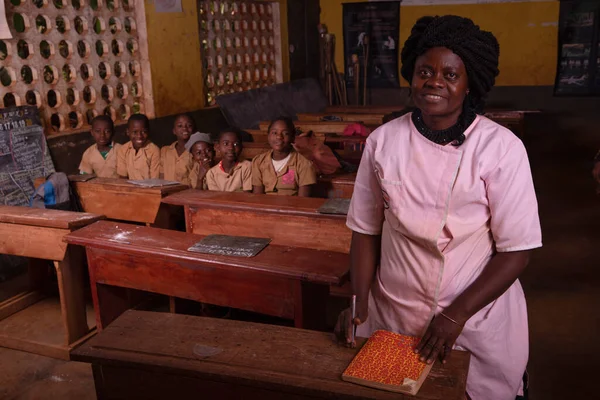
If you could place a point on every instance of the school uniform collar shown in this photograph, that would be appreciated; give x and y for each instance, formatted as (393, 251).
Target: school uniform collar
(174, 147)
(110, 146)
(284, 170)
(235, 167)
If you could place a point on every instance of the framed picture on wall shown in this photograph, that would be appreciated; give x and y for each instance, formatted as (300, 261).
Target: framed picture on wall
(578, 69)
(371, 35)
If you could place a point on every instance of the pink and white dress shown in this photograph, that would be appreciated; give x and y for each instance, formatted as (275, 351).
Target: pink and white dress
(443, 212)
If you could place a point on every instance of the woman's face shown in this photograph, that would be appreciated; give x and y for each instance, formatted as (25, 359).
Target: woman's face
(440, 84)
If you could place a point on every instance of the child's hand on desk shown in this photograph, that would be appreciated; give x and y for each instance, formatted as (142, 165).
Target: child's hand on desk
(344, 326)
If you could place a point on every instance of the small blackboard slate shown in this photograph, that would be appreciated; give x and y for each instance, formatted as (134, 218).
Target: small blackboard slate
(335, 206)
(149, 183)
(237, 246)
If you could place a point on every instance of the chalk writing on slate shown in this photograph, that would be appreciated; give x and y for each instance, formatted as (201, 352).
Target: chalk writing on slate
(335, 206)
(237, 246)
(153, 183)
(24, 155)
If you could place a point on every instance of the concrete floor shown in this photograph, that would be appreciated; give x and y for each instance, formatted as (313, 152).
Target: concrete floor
(562, 284)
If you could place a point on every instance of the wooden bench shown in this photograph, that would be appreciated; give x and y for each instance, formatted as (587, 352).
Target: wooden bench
(512, 119)
(29, 320)
(374, 119)
(252, 149)
(323, 127)
(339, 186)
(363, 109)
(260, 137)
(287, 220)
(124, 201)
(156, 356)
(281, 281)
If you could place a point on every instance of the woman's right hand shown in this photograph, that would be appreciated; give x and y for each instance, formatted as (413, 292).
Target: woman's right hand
(344, 325)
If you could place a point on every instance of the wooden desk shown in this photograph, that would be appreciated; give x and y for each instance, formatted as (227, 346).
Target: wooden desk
(511, 119)
(287, 220)
(120, 200)
(260, 138)
(252, 149)
(281, 281)
(339, 186)
(364, 109)
(28, 321)
(374, 119)
(323, 127)
(156, 356)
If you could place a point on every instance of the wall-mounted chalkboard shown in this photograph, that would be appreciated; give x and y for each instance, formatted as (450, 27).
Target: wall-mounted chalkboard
(246, 109)
(24, 155)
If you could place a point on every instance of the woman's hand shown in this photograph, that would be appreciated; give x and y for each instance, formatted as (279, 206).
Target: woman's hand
(344, 325)
(438, 339)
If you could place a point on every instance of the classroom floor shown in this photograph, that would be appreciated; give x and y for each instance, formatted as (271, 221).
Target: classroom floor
(562, 284)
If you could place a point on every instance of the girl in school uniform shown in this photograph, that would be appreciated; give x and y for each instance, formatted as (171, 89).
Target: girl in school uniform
(175, 160)
(101, 158)
(444, 215)
(282, 170)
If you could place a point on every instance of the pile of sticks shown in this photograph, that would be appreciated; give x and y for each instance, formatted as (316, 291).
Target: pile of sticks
(331, 80)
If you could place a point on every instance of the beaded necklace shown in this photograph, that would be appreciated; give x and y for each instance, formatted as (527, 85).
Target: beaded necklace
(455, 134)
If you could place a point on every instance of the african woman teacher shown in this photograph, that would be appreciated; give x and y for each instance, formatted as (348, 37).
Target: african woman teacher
(444, 215)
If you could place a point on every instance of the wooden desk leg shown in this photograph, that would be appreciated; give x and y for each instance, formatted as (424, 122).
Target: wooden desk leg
(69, 274)
(310, 306)
(112, 301)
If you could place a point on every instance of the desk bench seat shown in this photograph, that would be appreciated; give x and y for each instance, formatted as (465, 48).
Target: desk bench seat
(145, 355)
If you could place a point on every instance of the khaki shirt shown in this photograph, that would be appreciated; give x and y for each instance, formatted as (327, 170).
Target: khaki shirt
(239, 180)
(194, 172)
(298, 172)
(92, 162)
(175, 167)
(143, 165)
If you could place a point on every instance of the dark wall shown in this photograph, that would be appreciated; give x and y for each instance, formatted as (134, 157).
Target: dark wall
(303, 38)
(66, 151)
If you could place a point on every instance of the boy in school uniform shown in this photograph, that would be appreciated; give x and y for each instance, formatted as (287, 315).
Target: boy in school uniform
(139, 158)
(202, 152)
(230, 174)
(282, 170)
(101, 158)
(175, 160)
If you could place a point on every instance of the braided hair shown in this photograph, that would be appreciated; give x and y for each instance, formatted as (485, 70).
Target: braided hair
(478, 49)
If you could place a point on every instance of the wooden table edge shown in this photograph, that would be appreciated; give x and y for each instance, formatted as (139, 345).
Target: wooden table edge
(231, 374)
(312, 278)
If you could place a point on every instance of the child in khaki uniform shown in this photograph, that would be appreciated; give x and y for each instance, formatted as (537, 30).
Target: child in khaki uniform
(230, 174)
(282, 170)
(202, 150)
(139, 158)
(101, 158)
(175, 160)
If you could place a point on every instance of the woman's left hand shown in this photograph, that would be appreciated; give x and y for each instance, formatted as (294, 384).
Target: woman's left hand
(438, 339)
